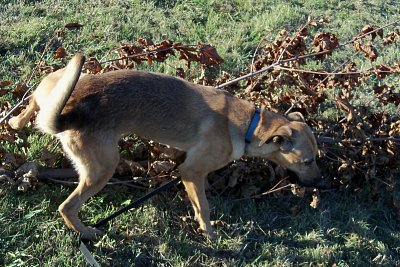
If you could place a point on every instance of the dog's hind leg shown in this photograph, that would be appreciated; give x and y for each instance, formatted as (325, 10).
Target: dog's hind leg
(95, 159)
(22, 119)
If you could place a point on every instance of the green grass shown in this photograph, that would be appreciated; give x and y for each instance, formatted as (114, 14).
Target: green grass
(345, 230)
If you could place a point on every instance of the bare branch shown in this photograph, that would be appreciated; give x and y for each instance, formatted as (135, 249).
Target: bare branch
(332, 140)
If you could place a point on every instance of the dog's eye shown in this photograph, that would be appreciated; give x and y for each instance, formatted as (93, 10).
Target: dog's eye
(308, 161)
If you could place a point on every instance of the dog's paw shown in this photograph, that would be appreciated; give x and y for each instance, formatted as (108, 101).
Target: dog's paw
(15, 123)
(91, 233)
(210, 235)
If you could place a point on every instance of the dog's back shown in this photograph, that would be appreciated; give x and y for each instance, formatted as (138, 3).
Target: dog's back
(133, 101)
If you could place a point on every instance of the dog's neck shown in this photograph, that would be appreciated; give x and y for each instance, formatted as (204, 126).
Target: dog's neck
(252, 127)
(269, 122)
(251, 139)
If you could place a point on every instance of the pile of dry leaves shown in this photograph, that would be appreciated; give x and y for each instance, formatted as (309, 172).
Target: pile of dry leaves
(359, 145)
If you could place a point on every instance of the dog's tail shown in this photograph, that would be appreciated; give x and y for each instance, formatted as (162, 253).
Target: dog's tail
(48, 119)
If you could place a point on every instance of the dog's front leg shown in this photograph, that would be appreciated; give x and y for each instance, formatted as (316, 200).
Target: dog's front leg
(211, 153)
(194, 185)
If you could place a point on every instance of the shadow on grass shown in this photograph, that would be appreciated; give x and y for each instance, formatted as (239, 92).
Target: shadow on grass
(141, 252)
(344, 229)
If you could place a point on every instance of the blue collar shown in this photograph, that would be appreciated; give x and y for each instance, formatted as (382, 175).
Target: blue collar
(253, 125)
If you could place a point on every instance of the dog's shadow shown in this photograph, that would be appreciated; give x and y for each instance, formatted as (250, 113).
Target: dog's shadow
(258, 231)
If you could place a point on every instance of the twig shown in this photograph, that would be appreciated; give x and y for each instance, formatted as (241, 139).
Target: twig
(255, 54)
(369, 33)
(116, 182)
(14, 108)
(265, 193)
(332, 140)
(331, 73)
(294, 104)
(271, 190)
(64, 182)
(332, 159)
(285, 48)
(248, 75)
(279, 183)
(318, 72)
(126, 183)
(385, 183)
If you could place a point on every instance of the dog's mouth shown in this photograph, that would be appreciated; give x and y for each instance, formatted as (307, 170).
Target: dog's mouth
(294, 178)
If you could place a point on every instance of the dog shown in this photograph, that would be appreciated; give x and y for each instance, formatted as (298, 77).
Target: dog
(89, 113)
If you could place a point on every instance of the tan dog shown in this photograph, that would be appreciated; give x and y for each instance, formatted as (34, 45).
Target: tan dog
(89, 113)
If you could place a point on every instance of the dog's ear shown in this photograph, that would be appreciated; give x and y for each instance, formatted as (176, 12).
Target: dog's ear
(282, 138)
(295, 116)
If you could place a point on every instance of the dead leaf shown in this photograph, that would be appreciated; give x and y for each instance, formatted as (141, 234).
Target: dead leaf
(20, 89)
(3, 85)
(145, 42)
(208, 55)
(325, 42)
(391, 37)
(159, 167)
(188, 55)
(7, 137)
(357, 45)
(92, 66)
(345, 105)
(298, 191)
(383, 70)
(386, 95)
(49, 157)
(370, 51)
(60, 53)
(315, 199)
(129, 166)
(373, 31)
(73, 26)
(180, 72)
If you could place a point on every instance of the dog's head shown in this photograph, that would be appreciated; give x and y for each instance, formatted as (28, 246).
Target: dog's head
(289, 143)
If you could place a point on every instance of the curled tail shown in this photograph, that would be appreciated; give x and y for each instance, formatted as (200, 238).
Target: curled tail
(48, 119)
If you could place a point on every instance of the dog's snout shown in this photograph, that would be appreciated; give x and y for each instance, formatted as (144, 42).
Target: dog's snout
(308, 181)
(317, 182)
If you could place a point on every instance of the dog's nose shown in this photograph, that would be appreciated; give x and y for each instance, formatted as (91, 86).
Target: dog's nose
(320, 183)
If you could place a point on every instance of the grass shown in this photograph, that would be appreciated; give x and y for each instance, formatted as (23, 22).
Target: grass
(345, 229)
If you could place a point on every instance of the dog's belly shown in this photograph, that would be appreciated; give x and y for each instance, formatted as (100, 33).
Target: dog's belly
(177, 137)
